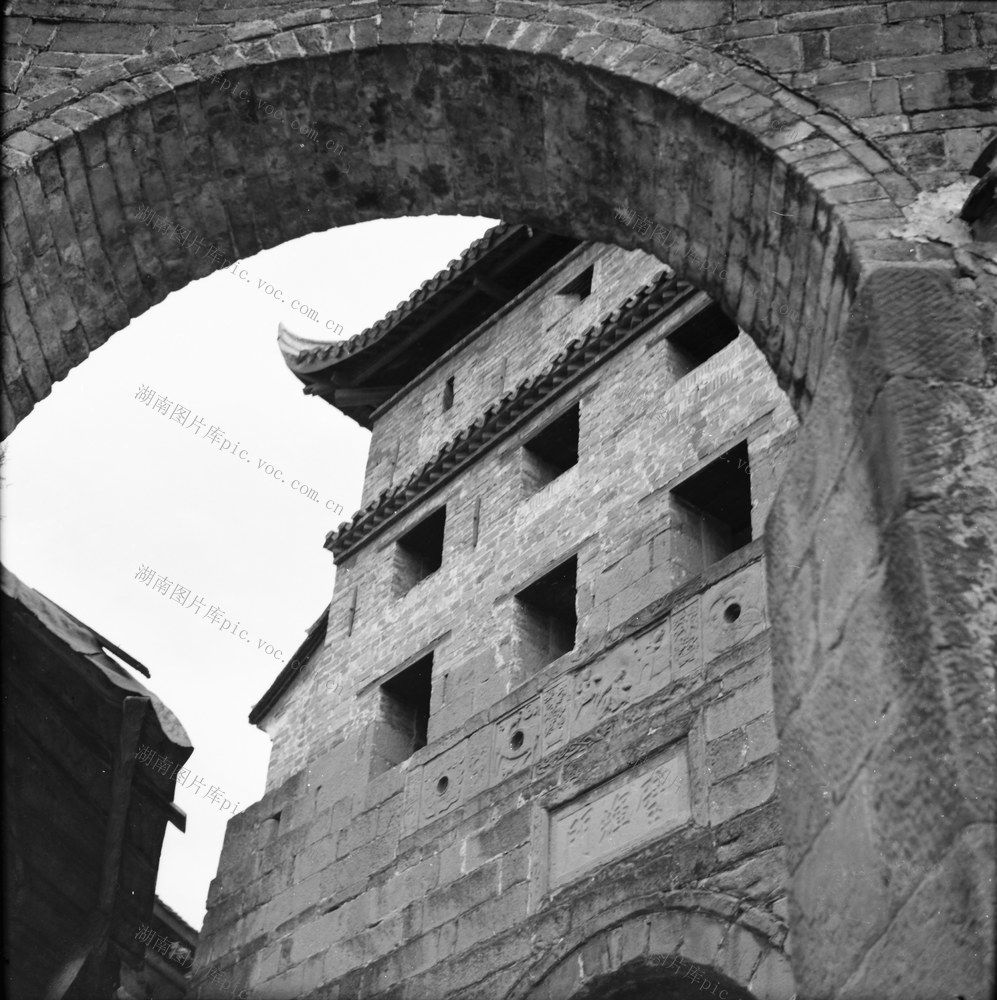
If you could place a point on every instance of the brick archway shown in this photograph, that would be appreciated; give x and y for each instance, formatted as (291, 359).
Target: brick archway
(417, 126)
(678, 944)
(881, 555)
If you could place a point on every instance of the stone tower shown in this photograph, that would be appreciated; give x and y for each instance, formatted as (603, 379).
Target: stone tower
(530, 745)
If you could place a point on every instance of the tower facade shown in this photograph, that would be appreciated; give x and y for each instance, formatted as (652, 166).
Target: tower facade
(529, 748)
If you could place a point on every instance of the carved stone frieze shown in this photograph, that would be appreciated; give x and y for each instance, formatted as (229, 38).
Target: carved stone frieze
(603, 688)
(654, 657)
(559, 718)
(555, 706)
(477, 769)
(687, 650)
(413, 795)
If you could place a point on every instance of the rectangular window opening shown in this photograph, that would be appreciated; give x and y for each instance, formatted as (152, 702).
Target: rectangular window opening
(711, 514)
(546, 619)
(402, 723)
(419, 552)
(580, 287)
(551, 452)
(703, 335)
(448, 394)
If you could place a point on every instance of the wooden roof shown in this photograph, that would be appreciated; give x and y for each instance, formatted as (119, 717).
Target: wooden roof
(359, 374)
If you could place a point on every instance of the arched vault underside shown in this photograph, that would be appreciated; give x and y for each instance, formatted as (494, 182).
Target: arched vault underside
(549, 125)
(881, 542)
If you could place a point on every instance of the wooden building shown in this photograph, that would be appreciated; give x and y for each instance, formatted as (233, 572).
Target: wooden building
(83, 819)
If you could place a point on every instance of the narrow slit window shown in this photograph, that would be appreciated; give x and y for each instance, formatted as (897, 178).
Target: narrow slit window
(551, 452)
(402, 723)
(419, 552)
(545, 617)
(448, 394)
(711, 513)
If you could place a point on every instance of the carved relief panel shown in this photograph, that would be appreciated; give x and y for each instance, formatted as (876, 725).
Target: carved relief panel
(687, 653)
(734, 610)
(634, 807)
(654, 657)
(603, 688)
(517, 740)
(442, 782)
(556, 702)
(413, 794)
(477, 769)
(574, 703)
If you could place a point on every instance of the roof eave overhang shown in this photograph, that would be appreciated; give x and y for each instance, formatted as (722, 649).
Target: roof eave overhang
(355, 375)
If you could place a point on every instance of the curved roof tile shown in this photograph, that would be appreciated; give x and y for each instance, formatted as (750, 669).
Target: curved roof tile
(304, 356)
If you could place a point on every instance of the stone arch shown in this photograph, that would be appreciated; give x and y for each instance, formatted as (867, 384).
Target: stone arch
(881, 555)
(673, 941)
(601, 123)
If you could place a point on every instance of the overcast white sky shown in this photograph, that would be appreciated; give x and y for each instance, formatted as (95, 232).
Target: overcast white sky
(98, 484)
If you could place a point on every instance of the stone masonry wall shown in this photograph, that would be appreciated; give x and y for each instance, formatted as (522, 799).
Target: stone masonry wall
(329, 878)
(628, 406)
(519, 341)
(286, 725)
(794, 137)
(369, 887)
(657, 725)
(873, 100)
(912, 75)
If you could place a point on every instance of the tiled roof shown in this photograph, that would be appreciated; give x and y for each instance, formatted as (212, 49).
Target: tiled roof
(642, 308)
(304, 355)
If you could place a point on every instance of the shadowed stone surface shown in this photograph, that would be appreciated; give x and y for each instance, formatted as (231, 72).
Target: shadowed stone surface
(789, 140)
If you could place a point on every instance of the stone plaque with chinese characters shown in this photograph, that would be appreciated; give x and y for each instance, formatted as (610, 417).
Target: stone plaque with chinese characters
(631, 808)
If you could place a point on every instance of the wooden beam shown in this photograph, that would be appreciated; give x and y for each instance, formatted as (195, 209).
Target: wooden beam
(122, 655)
(371, 396)
(498, 292)
(132, 716)
(88, 960)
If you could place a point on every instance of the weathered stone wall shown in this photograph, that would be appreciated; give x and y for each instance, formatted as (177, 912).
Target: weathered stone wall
(911, 74)
(628, 408)
(363, 892)
(94, 93)
(530, 332)
(885, 667)
(797, 168)
(659, 724)
(293, 730)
